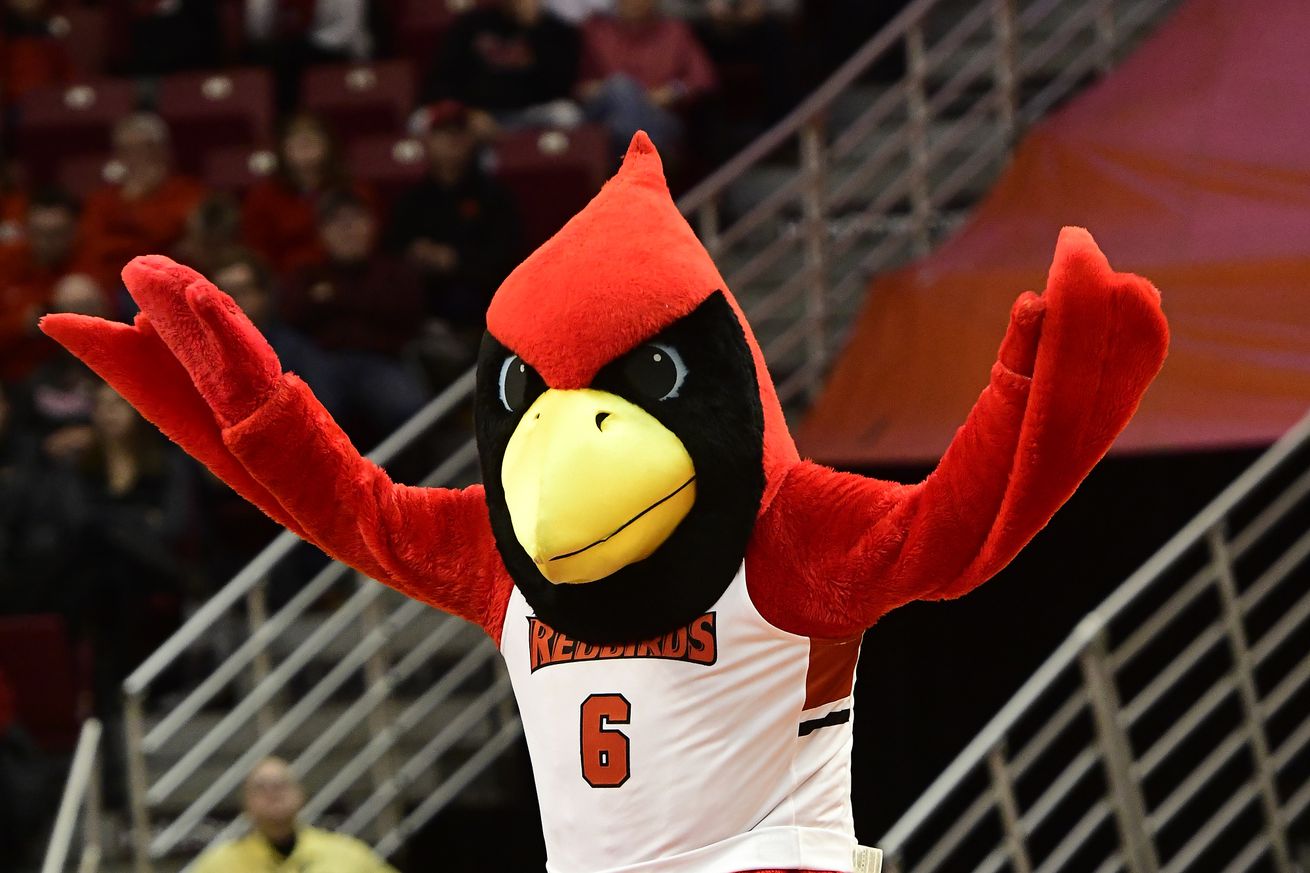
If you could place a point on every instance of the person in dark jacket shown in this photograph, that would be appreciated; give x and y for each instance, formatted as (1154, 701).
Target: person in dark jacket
(32, 522)
(168, 36)
(135, 510)
(513, 63)
(459, 227)
(362, 310)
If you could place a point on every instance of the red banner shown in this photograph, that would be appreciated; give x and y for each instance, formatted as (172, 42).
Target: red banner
(1190, 164)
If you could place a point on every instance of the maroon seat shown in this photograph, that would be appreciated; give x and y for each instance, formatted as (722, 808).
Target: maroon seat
(236, 168)
(59, 123)
(47, 674)
(83, 174)
(387, 164)
(552, 174)
(86, 33)
(418, 26)
(206, 111)
(360, 100)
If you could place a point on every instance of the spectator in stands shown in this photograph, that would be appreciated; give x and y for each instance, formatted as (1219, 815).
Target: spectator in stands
(513, 63)
(135, 507)
(212, 231)
(147, 210)
(28, 271)
(50, 232)
(38, 515)
(458, 227)
(639, 69)
(32, 54)
(279, 218)
(59, 396)
(363, 309)
(751, 36)
(168, 36)
(289, 35)
(242, 274)
(273, 799)
(15, 447)
(17, 464)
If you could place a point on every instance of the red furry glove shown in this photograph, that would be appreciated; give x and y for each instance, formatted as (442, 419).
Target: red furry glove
(229, 361)
(138, 363)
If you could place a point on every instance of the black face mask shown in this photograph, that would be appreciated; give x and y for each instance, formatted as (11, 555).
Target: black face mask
(717, 415)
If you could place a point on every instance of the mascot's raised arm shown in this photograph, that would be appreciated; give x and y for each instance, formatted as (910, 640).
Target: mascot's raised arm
(679, 598)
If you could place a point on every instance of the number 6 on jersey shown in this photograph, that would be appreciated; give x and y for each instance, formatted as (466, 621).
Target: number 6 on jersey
(605, 762)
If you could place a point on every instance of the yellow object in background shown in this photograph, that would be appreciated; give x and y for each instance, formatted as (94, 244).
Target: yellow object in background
(315, 850)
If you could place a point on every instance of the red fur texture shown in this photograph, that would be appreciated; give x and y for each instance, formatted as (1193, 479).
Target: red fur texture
(837, 551)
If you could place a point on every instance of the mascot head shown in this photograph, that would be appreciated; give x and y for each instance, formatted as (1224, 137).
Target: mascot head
(628, 430)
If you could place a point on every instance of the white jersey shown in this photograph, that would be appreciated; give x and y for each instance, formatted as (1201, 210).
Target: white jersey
(712, 749)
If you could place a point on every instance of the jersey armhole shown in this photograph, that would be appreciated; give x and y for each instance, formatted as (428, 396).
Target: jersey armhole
(498, 609)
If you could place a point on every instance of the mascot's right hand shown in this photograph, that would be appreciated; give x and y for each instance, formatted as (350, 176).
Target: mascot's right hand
(183, 316)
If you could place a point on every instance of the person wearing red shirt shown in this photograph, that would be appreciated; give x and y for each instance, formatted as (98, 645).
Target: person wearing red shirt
(32, 54)
(147, 210)
(639, 69)
(279, 217)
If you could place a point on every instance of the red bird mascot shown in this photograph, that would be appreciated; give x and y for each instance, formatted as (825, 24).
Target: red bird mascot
(679, 598)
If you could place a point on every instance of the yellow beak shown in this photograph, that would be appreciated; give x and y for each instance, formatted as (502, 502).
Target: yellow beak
(593, 483)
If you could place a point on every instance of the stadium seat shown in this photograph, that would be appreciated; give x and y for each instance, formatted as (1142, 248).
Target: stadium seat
(388, 164)
(48, 675)
(85, 31)
(360, 100)
(418, 27)
(83, 174)
(236, 168)
(552, 174)
(62, 122)
(206, 111)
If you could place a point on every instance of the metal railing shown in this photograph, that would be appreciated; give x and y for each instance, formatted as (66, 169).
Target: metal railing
(1167, 733)
(871, 191)
(378, 641)
(848, 199)
(81, 799)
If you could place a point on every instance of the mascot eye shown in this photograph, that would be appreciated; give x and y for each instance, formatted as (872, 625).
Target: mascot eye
(513, 383)
(655, 371)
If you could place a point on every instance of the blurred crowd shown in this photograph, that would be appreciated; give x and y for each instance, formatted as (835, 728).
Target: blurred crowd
(375, 297)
